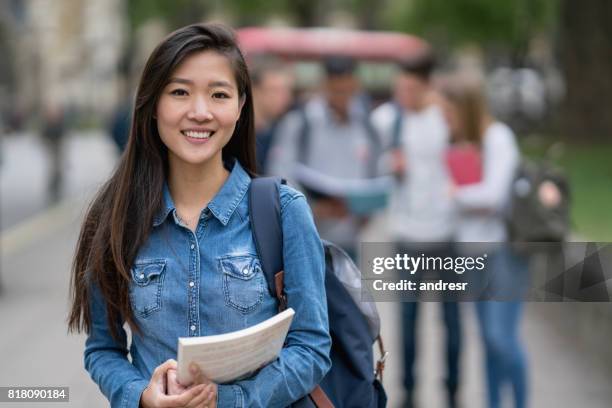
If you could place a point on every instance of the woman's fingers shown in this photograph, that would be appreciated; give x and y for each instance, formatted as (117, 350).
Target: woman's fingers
(196, 373)
(203, 398)
(174, 387)
(211, 399)
(161, 369)
(182, 400)
(158, 379)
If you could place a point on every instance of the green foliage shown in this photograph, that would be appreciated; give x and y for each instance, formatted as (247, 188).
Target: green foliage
(176, 12)
(488, 22)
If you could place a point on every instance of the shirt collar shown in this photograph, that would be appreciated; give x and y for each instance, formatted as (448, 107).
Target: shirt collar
(223, 204)
(167, 206)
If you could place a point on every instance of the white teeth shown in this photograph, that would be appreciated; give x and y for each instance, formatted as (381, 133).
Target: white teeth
(197, 135)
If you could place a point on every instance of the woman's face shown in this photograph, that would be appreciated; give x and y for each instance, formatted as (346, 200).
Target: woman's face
(198, 109)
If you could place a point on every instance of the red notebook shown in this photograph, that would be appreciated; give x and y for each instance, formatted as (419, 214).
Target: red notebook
(464, 164)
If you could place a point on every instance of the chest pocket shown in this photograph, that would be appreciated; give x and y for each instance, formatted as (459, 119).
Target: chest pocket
(146, 286)
(243, 282)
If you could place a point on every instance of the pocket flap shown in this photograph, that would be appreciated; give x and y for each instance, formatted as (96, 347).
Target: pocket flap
(144, 271)
(241, 267)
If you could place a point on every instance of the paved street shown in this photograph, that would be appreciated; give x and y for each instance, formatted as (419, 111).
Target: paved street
(37, 245)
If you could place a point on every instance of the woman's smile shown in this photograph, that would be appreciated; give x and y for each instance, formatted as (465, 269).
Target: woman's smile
(197, 136)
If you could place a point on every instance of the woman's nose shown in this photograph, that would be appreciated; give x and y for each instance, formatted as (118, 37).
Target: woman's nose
(199, 110)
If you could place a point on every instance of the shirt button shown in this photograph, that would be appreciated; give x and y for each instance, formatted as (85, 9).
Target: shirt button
(191, 284)
(192, 328)
(141, 276)
(192, 246)
(245, 271)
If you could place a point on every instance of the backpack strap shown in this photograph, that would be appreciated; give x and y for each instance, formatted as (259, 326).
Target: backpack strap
(266, 226)
(265, 219)
(303, 136)
(398, 122)
(380, 363)
(375, 146)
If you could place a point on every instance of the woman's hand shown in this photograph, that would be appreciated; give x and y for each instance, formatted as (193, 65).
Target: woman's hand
(176, 388)
(195, 396)
(199, 378)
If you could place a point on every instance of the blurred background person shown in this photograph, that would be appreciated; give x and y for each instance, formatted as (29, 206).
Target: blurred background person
(272, 83)
(52, 132)
(481, 207)
(331, 134)
(119, 123)
(416, 134)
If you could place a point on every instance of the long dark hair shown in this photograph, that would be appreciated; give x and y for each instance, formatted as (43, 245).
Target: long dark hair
(120, 218)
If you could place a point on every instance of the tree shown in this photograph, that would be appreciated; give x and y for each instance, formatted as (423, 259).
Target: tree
(506, 25)
(585, 51)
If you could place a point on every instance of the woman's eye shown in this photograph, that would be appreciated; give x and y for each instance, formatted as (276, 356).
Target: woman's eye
(179, 92)
(220, 95)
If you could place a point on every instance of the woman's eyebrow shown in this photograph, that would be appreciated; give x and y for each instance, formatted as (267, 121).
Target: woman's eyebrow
(221, 84)
(213, 84)
(180, 81)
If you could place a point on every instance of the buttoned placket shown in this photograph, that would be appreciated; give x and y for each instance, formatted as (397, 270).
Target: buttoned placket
(193, 288)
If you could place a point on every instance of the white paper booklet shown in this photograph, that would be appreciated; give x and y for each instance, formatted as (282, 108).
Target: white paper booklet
(231, 356)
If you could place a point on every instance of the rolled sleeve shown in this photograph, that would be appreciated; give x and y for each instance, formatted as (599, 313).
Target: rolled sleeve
(133, 392)
(106, 359)
(229, 396)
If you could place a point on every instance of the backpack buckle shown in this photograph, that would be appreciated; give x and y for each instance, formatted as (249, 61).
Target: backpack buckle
(380, 366)
(282, 302)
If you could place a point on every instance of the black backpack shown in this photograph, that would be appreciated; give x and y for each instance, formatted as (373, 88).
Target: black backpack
(529, 220)
(354, 324)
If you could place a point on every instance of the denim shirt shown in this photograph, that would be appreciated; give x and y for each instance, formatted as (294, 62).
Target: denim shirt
(210, 282)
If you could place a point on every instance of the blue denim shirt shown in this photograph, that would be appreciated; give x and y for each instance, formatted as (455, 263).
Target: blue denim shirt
(210, 282)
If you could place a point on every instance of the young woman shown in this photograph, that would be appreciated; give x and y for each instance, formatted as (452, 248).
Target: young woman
(166, 246)
(481, 219)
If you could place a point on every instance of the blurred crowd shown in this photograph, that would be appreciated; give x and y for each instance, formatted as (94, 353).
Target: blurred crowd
(453, 166)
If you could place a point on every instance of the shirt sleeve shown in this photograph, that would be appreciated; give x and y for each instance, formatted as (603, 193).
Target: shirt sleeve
(383, 119)
(106, 358)
(500, 160)
(304, 360)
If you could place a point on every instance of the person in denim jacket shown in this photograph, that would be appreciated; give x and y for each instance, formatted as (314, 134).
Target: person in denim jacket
(166, 246)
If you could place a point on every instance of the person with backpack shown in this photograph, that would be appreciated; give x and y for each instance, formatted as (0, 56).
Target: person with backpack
(481, 218)
(272, 97)
(332, 135)
(167, 245)
(420, 215)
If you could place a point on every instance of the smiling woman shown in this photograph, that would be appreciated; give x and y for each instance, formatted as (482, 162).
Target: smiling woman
(158, 240)
(199, 107)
